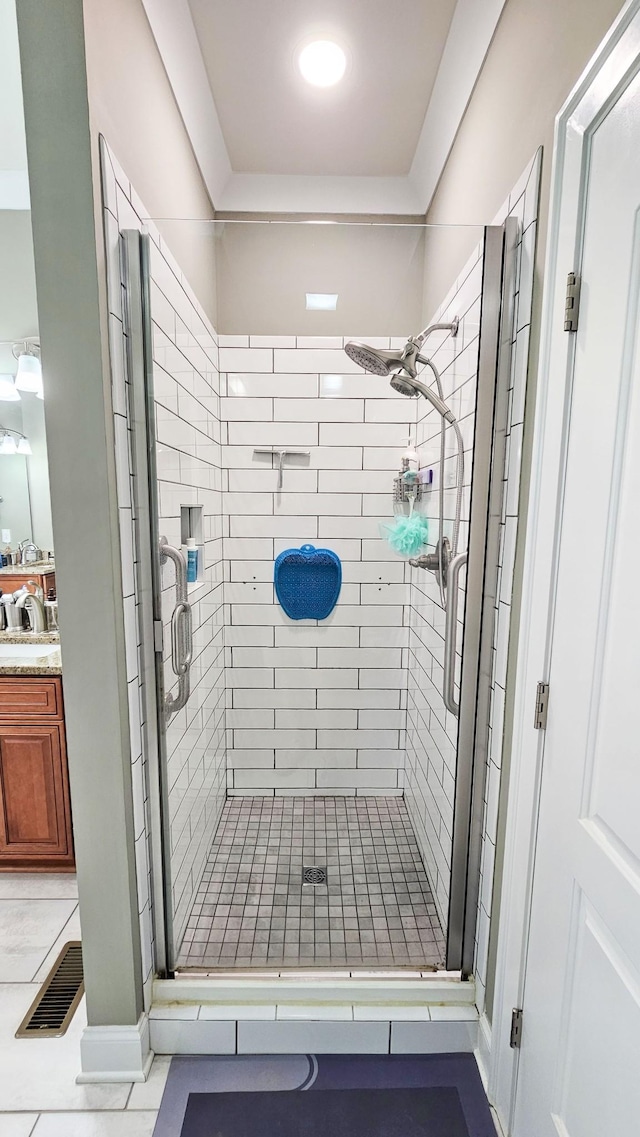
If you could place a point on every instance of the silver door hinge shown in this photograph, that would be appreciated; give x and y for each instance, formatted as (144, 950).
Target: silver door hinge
(542, 706)
(572, 303)
(515, 1037)
(158, 638)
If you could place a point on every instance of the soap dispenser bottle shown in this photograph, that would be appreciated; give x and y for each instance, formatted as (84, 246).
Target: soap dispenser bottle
(51, 611)
(192, 560)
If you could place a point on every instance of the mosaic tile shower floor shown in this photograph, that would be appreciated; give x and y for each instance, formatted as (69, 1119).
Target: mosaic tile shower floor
(253, 910)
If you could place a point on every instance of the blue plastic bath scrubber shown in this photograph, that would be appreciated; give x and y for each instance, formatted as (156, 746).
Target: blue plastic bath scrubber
(308, 582)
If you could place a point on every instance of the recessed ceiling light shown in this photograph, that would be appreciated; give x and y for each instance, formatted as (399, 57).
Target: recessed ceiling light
(322, 301)
(322, 63)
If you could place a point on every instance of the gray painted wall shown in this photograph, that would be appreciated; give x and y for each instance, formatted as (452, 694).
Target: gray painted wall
(132, 104)
(538, 52)
(83, 494)
(265, 270)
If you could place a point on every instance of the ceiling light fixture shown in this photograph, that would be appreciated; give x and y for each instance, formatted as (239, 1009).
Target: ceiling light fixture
(322, 63)
(322, 301)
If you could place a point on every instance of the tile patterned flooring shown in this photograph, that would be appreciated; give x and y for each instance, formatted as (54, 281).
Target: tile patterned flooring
(39, 1096)
(252, 909)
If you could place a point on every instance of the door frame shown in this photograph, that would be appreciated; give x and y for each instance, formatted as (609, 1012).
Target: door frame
(617, 57)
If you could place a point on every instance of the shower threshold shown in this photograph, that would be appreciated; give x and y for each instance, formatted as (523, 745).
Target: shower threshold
(366, 907)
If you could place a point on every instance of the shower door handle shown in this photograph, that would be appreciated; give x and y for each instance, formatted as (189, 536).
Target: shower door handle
(181, 630)
(450, 633)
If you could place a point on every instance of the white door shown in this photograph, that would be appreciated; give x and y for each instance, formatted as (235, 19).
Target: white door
(579, 1071)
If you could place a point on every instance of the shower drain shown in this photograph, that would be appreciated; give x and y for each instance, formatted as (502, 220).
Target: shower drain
(314, 874)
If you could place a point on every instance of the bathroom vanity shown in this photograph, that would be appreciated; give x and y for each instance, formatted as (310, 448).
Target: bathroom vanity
(13, 577)
(35, 810)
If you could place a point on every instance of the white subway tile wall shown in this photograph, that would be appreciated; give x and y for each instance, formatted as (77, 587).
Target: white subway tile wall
(313, 707)
(187, 398)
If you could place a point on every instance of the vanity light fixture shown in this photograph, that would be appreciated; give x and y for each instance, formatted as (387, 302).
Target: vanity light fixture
(8, 392)
(322, 301)
(29, 373)
(322, 63)
(8, 444)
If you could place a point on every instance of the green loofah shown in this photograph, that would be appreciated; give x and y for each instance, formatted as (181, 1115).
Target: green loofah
(407, 535)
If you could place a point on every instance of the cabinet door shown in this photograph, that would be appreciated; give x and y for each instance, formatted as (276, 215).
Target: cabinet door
(33, 817)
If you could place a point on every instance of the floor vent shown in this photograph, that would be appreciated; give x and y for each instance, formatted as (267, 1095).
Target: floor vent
(55, 1004)
(314, 874)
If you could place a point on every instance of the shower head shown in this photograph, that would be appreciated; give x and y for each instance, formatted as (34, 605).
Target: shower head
(380, 361)
(373, 359)
(406, 385)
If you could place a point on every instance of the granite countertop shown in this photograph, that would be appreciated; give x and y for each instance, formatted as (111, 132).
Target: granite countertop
(48, 664)
(40, 568)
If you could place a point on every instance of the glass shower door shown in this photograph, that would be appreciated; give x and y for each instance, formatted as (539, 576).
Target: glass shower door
(176, 459)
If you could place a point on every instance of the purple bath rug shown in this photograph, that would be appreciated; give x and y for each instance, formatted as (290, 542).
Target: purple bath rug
(397, 1095)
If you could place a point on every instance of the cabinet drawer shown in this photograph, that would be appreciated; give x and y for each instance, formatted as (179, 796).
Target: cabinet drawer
(30, 698)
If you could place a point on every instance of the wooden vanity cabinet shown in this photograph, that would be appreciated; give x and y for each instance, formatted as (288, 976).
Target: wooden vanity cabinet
(11, 583)
(35, 811)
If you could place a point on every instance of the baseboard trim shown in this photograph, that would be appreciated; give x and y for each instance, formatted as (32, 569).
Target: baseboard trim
(483, 1051)
(115, 1053)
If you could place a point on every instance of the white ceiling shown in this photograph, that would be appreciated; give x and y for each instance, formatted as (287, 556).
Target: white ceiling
(273, 122)
(265, 141)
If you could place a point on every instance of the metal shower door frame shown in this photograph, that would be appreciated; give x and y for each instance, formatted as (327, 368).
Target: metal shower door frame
(492, 399)
(138, 327)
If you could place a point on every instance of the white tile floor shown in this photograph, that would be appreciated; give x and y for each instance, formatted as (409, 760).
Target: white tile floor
(38, 1092)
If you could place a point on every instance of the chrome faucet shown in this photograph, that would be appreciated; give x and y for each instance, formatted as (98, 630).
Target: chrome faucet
(35, 610)
(24, 548)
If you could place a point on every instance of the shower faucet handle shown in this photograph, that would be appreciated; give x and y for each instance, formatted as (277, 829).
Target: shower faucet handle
(437, 562)
(429, 561)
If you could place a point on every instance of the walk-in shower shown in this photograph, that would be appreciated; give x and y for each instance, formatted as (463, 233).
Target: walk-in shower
(289, 810)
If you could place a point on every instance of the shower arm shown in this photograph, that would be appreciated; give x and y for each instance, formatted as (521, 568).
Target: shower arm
(451, 327)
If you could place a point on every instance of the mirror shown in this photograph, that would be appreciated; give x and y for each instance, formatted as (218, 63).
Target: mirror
(25, 512)
(25, 508)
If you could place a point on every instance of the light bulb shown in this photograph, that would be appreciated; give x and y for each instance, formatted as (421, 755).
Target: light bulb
(29, 374)
(8, 393)
(8, 445)
(24, 446)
